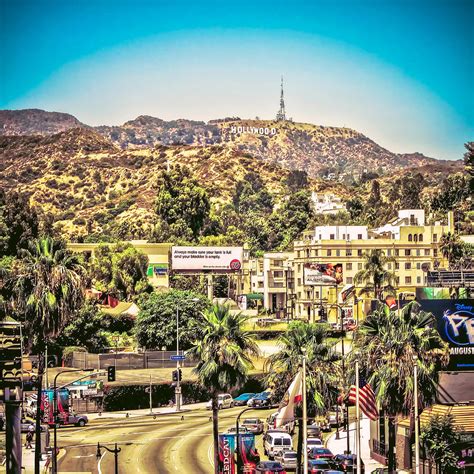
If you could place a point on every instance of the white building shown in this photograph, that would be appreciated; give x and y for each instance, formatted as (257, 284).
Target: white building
(327, 203)
(341, 232)
(406, 217)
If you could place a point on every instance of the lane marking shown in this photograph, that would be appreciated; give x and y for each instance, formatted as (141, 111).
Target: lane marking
(100, 460)
(209, 455)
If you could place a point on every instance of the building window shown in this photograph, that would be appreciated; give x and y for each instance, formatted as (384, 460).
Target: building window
(427, 252)
(348, 266)
(397, 252)
(397, 280)
(418, 280)
(260, 284)
(389, 252)
(349, 280)
(331, 236)
(316, 252)
(415, 238)
(299, 281)
(389, 266)
(298, 253)
(435, 252)
(329, 252)
(359, 253)
(407, 266)
(299, 295)
(407, 252)
(359, 236)
(320, 237)
(278, 274)
(410, 237)
(435, 238)
(338, 253)
(359, 266)
(408, 280)
(349, 253)
(420, 238)
(307, 253)
(418, 252)
(308, 294)
(397, 266)
(343, 236)
(316, 296)
(418, 266)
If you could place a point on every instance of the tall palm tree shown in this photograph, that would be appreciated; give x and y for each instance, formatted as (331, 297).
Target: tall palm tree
(48, 289)
(323, 374)
(374, 275)
(224, 358)
(451, 247)
(385, 344)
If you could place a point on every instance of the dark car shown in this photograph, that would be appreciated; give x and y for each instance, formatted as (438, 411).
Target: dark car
(317, 466)
(320, 453)
(243, 398)
(262, 400)
(348, 463)
(314, 431)
(269, 467)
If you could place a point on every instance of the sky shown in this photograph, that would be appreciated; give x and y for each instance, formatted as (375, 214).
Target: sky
(399, 71)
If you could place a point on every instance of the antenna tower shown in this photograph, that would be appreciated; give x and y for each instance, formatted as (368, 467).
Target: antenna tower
(281, 115)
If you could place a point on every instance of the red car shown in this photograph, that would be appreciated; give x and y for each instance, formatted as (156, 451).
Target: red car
(318, 466)
(320, 453)
(269, 467)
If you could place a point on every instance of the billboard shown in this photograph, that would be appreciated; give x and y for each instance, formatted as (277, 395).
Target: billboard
(322, 274)
(198, 259)
(248, 455)
(455, 324)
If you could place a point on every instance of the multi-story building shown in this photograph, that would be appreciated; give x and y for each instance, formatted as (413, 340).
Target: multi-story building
(327, 203)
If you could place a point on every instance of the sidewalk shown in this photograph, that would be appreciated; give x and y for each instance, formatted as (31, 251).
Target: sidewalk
(338, 446)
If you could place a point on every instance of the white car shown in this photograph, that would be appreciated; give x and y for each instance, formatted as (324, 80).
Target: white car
(288, 459)
(313, 443)
(224, 400)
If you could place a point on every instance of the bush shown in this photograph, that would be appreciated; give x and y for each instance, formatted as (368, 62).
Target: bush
(67, 353)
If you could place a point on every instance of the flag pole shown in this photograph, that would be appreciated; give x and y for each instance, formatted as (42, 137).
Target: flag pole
(305, 415)
(357, 417)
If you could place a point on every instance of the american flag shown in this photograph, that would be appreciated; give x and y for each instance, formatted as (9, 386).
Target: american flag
(367, 401)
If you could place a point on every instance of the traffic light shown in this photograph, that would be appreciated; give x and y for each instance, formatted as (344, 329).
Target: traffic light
(180, 375)
(175, 375)
(110, 373)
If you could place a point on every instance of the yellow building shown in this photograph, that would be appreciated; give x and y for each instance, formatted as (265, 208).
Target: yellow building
(158, 258)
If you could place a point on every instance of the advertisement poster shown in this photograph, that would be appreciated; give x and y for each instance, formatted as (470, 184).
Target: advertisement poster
(455, 324)
(47, 405)
(322, 274)
(249, 456)
(220, 259)
(227, 453)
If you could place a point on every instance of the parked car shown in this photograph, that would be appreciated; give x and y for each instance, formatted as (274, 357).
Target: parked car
(320, 453)
(276, 441)
(348, 463)
(313, 443)
(262, 400)
(243, 398)
(288, 459)
(224, 400)
(242, 430)
(269, 467)
(318, 466)
(253, 425)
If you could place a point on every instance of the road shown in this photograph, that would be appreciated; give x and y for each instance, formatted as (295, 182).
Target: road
(165, 445)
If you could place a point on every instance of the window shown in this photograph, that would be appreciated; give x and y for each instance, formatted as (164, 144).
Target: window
(349, 253)
(415, 238)
(277, 284)
(316, 296)
(349, 280)
(348, 266)
(320, 237)
(299, 281)
(331, 236)
(299, 267)
(260, 284)
(338, 253)
(408, 280)
(308, 294)
(359, 266)
(427, 252)
(359, 236)
(435, 238)
(420, 238)
(389, 266)
(418, 266)
(410, 237)
(397, 266)
(329, 252)
(277, 263)
(389, 252)
(298, 253)
(397, 279)
(418, 252)
(418, 280)
(316, 252)
(278, 274)
(299, 295)
(407, 266)
(397, 252)
(359, 253)
(407, 252)
(343, 236)
(435, 252)
(307, 253)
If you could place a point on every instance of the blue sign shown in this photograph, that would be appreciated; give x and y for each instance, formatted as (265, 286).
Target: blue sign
(177, 357)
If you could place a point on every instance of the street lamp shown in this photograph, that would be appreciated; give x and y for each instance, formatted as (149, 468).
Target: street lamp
(55, 414)
(114, 451)
(177, 392)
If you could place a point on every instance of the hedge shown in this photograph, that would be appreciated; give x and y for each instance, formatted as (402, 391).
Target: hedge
(133, 397)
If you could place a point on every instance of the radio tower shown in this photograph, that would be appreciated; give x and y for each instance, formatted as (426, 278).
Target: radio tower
(281, 115)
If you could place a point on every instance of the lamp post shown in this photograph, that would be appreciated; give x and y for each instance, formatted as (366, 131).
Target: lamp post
(116, 341)
(177, 391)
(417, 434)
(114, 451)
(55, 414)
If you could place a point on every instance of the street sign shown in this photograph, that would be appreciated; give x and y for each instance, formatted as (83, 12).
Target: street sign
(177, 357)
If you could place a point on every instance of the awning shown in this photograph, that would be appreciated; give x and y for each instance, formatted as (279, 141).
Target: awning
(254, 296)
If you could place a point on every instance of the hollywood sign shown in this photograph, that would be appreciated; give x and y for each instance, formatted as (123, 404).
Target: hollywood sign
(254, 130)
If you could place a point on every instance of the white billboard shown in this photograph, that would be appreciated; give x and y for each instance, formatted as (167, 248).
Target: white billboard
(221, 259)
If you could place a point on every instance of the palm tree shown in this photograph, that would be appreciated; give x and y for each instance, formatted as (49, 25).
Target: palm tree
(385, 344)
(451, 247)
(47, 291)
(322, 367)
(224, 355)
(374, 275)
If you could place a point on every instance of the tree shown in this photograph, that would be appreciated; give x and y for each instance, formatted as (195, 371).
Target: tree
(385, 344)
(18, 222)
(119, 270)
(156, 321)
(297, 180)
(439, 436)
(322, 368)
(47, 292)
(355, 208)
(251, 195)
(469, 164)
(374, 275)
(181, 202)
(452, 247)
(410, 191)
(223, 357)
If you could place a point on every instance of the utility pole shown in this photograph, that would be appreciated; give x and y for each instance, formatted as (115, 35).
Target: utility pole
(151, 402)
(305, 417)
(417, 434)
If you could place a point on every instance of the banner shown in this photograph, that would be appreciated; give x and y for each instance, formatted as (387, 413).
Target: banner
(249, 456)
(322, 274)
(226, 453)
(220, 259)
(47, 405)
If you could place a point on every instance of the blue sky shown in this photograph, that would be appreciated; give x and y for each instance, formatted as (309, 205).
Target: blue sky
(400, 71)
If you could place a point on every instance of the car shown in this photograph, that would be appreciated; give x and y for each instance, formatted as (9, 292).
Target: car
(269, 467)
(262, 400)
(243, 398)
(288, 459)
(242, 430)
(317, 466)
(313, 443)
(336, 417)
(314, 430)
(28, 424)
(224, 400)
(253, 425)
(348, 463)
(320, 453)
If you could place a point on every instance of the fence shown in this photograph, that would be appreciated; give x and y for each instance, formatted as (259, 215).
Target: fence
(127, 360)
